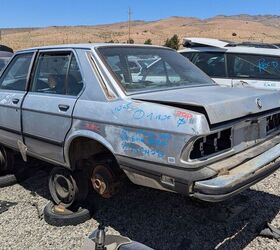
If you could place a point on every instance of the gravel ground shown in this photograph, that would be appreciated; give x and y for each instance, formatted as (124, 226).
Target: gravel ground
(159, 219)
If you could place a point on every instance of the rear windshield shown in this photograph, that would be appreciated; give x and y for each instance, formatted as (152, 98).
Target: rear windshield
(144, 69)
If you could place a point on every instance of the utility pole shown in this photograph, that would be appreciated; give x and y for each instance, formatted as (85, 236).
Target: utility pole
(129, 23)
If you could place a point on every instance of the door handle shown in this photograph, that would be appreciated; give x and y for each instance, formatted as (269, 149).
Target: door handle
(63, 107)
(15, 100)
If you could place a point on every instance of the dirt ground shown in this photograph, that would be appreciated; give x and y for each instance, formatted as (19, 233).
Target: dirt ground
(158, 219)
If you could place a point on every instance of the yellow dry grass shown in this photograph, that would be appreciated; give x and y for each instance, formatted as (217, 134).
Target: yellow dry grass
(158, 31)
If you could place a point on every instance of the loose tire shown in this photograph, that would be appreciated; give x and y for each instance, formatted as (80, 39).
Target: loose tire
(8, 180)
(66, 217)
(67, 188)
(6, 161)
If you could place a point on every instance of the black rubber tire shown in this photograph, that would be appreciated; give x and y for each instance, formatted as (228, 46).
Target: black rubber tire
(78, 186)
(8, 180)
(60, 220)
(6, 160)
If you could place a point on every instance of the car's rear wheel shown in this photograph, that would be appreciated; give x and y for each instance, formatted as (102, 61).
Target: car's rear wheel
(105, 176)
(67, 187)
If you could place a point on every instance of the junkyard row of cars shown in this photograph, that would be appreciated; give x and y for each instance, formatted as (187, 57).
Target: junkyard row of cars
(104, 112)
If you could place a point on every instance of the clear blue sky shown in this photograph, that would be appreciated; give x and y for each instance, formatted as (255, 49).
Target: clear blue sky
(35, 13)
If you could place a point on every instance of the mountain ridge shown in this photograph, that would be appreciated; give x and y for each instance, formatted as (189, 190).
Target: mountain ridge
(243, 27)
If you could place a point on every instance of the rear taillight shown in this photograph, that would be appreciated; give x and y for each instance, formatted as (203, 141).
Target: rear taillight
(211, 144)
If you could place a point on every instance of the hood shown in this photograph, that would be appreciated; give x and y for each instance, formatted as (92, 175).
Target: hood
(219, 104)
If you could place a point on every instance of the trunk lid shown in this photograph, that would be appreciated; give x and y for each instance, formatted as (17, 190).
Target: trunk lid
(221, 104)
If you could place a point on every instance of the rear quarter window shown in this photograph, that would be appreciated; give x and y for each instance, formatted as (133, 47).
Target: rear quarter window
(249, 66)
(188, 55)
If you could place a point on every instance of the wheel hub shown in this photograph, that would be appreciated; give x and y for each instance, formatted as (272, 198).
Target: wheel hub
(103, 181)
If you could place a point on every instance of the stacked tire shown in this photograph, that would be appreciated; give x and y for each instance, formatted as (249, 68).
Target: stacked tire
(57, 215)
(68, 190)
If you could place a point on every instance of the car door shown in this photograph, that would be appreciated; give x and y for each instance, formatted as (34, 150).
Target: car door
(13, 84)
(253, 70)
(48, 106)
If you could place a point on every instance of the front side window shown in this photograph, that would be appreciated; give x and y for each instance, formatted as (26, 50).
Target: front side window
(15, 76)
(213, 64)
(254, 66)
(157, 68)
(57, 73)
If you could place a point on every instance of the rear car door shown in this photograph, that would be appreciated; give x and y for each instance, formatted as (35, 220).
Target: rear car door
(13, 84)
(258, 71)
(48, 106)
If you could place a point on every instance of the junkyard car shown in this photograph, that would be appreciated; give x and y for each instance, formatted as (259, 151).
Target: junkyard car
(81, 108)
(246, 64)
(5, 55)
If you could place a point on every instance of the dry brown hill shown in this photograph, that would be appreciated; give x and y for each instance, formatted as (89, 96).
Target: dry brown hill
(255, 28)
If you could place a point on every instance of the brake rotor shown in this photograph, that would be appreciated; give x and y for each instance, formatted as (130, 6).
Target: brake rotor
(103, 181)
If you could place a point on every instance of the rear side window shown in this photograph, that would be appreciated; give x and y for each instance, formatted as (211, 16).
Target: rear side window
(188, 55)
(213, 64)
(15, 76)
(254, 66)
(57, 73)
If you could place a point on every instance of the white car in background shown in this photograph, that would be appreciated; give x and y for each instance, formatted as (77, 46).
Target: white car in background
(247, 64)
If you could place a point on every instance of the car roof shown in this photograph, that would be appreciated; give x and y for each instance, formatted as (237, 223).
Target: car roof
(88, 46)
(216, 45)
(6, 48)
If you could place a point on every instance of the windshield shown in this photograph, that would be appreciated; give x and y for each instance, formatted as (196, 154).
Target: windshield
(145, 68)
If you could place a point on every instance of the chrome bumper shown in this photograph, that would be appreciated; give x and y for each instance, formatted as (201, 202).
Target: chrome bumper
(240, 177)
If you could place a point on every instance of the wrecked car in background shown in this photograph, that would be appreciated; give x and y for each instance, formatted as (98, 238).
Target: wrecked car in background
(5, 54)
(168, 127)
(245, 64)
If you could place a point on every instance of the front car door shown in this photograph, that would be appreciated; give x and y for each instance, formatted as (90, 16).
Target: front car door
(48, 106)
(13, 84)
(252, 70)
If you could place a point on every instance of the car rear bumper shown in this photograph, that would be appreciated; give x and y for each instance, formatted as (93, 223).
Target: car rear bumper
(215, 182)
(241, 176)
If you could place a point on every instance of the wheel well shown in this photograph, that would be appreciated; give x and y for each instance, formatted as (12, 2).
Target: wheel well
(83, 148)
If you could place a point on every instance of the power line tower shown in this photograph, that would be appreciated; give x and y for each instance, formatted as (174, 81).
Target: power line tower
(129, 23)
